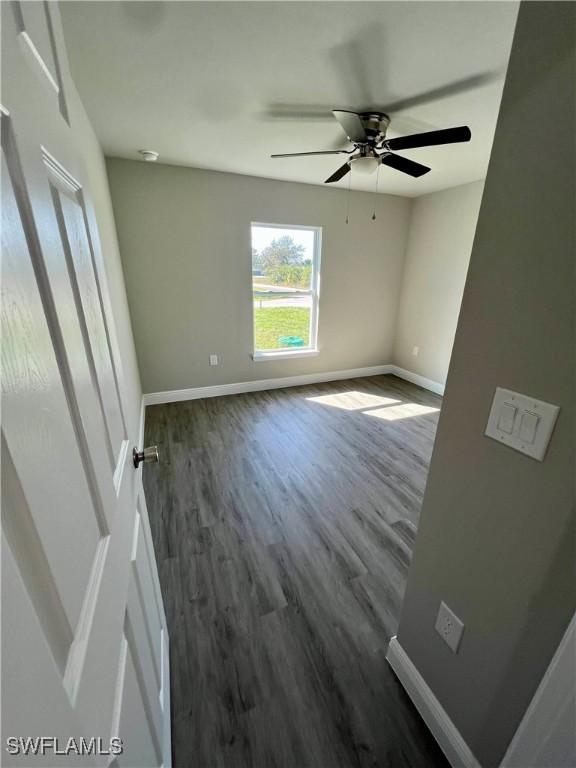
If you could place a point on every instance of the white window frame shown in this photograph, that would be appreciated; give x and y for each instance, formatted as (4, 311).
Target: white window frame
(311, 350)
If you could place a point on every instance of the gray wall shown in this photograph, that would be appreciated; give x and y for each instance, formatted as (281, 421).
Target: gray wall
(185, 242)
(496, 538)
(442, 229)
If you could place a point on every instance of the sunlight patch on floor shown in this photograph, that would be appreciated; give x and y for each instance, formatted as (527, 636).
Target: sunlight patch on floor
(404, 411)
(353, 400)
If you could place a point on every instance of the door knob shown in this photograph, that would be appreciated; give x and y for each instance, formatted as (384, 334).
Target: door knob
(148, 455)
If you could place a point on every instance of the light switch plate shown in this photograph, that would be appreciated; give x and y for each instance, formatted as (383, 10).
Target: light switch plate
(521, 422)
(449, 627)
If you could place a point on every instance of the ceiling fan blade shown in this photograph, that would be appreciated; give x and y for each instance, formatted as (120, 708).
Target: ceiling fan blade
(445, 136)
(405, 165)
(351, 125)
(340, 173)
(302, 112)
(444, 91)
(323, 152)
(354, 63)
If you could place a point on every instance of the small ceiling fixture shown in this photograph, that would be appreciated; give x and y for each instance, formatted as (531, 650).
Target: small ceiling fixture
(148, 155)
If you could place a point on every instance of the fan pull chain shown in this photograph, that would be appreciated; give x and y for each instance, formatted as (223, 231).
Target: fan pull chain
(376, 191)
(348, 197)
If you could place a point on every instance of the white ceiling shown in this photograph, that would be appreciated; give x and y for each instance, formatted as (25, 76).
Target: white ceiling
(197, 81)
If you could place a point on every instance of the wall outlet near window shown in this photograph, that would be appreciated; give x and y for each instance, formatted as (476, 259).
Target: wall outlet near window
(213, 359)
(415, 351)
(449, 627)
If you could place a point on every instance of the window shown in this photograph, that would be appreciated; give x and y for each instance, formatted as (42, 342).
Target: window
(285, 283)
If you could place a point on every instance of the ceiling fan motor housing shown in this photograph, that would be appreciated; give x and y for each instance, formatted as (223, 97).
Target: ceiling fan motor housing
(375, 125)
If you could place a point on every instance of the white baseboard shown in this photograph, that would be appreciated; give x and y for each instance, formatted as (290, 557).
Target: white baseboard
(457, 752)
(217, 390)
(415, 378)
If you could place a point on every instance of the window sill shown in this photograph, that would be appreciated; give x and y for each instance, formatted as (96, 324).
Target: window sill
(261, 357)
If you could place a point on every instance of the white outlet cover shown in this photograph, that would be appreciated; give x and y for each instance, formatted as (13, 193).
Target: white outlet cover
(213, 359)
(449, 627)
(521, 422)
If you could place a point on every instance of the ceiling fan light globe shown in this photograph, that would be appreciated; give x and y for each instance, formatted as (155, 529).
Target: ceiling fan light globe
(365, 165)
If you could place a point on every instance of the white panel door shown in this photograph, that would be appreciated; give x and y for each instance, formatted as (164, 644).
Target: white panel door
(84, 641)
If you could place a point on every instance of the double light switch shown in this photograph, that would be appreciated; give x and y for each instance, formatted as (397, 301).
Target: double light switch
(521, 422)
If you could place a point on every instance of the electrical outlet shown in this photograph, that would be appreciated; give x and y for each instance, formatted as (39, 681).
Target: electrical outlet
(449, 627)
(415, 351)
(213, 359)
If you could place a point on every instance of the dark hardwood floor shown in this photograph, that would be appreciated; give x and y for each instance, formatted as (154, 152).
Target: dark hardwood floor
(283, 523)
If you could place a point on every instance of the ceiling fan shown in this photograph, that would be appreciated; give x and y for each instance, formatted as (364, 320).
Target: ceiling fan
(367, 132)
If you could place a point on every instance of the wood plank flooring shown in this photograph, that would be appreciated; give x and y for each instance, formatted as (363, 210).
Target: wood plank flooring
(283, 523)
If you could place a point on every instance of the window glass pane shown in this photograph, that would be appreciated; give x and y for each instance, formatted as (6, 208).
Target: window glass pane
(283, 263)
(282, 258)
(281, 327)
